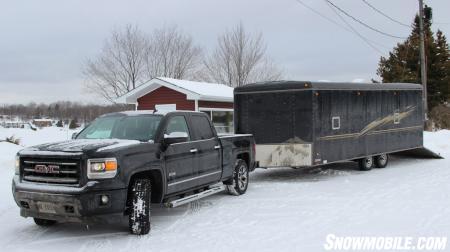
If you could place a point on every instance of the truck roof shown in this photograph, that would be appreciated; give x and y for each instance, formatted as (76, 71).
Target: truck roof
(148, 112)
(317, 85)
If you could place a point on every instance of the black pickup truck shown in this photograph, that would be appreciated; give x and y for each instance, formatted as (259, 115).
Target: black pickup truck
(123, 162)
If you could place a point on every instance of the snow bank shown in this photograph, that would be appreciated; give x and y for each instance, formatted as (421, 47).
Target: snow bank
(7, 153)
(438, 142)
(30, 137)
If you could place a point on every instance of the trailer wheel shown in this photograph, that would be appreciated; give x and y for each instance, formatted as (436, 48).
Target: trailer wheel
(139, 218)
(44, 222)
(381, 161)
(366, 164)
(240, 179)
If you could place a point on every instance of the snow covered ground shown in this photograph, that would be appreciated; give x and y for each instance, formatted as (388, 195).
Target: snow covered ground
(284, 209)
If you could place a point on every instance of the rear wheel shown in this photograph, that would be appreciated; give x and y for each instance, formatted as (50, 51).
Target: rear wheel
(44, 222)
(240, 179)
(381, 161)
(139, 218)
(366, 164)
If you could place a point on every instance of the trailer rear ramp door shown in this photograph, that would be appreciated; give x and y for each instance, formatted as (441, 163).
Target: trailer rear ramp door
(420, 152)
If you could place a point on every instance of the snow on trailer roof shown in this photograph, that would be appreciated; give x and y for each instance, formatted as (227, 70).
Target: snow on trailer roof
(194, 90)
(298, 85)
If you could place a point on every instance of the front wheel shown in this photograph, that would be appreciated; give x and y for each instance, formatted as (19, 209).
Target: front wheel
(240, 178)
(139, 219)
(366, 164)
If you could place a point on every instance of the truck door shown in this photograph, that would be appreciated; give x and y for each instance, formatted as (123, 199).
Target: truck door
(208, 159)
(179, 157)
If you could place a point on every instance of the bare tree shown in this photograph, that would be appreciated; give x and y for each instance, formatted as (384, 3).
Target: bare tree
(173, 54)
(240, 58)
(120, 67)
(130, 58)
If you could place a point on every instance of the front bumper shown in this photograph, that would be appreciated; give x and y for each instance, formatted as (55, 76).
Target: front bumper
(69, 204)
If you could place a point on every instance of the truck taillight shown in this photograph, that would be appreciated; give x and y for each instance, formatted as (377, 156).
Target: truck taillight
(254, 148)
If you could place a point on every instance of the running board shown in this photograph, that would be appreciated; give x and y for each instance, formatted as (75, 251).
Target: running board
(420, 152)
(197, 196)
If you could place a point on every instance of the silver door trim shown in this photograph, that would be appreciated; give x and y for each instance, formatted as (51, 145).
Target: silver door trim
(190, 179)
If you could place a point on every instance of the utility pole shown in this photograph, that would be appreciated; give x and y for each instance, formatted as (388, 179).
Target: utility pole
(423, 65)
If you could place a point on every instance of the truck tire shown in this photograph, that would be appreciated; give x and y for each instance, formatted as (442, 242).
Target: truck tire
(139, 218)
(381, 161)
(44, 222)
(240, 179)
(366, 164)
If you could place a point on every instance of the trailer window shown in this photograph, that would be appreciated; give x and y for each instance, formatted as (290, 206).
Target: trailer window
(336, 122)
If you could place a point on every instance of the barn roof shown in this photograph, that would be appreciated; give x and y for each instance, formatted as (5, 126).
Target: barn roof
(295, 85)
(194, 90)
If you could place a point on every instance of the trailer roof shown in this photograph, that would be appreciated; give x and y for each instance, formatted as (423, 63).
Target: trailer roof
(298, 85)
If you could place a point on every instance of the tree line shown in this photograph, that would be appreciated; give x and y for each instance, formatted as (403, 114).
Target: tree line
(64, 111)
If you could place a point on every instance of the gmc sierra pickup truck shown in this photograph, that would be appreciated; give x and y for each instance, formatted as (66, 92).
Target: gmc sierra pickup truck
(123, 162)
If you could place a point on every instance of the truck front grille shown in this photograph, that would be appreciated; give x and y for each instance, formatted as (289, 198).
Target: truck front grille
(51, 170)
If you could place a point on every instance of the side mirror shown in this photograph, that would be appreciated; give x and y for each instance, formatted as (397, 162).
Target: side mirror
(175, 137)
(74, 135)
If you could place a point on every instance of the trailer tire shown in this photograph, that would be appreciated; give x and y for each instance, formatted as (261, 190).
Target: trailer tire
(44, 222)
(381, 161)
(240, 178)
(139, 218)
(366, 164)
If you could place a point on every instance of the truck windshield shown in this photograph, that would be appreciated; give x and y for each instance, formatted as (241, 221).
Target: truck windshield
(141, 127)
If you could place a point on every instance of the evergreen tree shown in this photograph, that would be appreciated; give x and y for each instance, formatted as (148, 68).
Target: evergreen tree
(60, 124)
(73, 124)
(403, 63)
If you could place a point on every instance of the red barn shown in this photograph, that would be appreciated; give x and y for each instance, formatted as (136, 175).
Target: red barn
(166, 94)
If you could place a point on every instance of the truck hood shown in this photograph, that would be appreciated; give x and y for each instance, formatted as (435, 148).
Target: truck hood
(83, 145)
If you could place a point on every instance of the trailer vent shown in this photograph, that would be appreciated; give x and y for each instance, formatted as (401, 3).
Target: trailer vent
(336, 122)
(396, 117)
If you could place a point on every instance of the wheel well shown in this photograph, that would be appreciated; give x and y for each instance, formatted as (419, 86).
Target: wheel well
(245, 157)
(155, 177)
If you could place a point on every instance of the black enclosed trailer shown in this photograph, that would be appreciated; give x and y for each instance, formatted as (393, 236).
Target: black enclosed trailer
(302, 123)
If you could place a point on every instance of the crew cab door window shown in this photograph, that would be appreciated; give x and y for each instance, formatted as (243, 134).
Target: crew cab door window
(202, 127)
(178, 124)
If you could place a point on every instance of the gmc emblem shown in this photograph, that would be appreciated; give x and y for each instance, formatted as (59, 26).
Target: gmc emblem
(54, 169)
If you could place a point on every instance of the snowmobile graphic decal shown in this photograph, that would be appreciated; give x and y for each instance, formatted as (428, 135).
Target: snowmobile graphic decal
(395, 118)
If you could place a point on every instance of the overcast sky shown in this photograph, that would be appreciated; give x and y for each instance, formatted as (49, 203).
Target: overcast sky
(44, 43)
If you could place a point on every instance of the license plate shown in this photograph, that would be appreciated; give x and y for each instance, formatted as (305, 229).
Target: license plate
(46, 207)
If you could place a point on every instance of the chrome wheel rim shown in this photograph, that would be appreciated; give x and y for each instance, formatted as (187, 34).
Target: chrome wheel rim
(242, 177)
(369, 162)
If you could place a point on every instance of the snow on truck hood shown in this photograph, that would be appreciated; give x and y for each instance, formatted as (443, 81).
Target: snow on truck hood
(79, 145)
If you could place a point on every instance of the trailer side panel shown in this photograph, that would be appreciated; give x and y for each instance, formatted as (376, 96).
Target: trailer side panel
(350, 124)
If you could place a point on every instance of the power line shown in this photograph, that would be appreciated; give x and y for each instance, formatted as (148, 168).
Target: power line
(323, 16)
(338, 24)
(385, 15)
(355, 31)
(362, 23)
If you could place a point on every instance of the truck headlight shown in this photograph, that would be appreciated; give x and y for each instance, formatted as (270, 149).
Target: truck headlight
(17, 165)
(101, 168)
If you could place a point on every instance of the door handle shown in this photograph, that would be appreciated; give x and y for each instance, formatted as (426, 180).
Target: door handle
(193, 150)
(217, 147)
